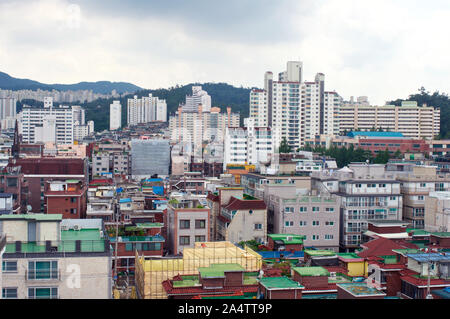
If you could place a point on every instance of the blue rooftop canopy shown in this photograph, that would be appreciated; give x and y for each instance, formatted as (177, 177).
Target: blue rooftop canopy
(375, 134)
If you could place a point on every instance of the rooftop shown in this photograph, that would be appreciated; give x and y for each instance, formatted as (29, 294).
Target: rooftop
(37, 217)
(349, 257)
(319, 252)
(279, 283)
(311, 271)
(288, 238)
(360, 289)
(218, 270)
(375, 134)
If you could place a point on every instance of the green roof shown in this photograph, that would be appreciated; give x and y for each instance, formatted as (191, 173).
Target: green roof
(187, 281)
(311, 271)
(406, 251)
(218, 270)
(149, 225)
(296, 239)
(349, 256)
(90, 242)
(279, 282)
(417, 232)
(441, 234)
(38, 217)
(320, 252)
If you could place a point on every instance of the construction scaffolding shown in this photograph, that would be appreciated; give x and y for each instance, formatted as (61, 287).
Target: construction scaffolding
(151, 272)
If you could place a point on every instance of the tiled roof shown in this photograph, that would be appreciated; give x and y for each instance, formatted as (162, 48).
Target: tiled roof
(244, 204)
(212, 197)
(382, 247)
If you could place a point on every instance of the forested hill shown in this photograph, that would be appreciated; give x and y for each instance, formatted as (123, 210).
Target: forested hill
(439, 100)
(8, 82)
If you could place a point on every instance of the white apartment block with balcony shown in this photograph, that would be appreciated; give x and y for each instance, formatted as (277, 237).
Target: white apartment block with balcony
(146, 109)
(50, 124)
(115, 115)
(248, 145)
(295, 110)
(409, 118)
(196, 127)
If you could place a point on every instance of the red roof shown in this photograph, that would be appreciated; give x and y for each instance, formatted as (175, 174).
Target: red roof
(382, 247)
(245, 204)
(212, 197)
(102, 181)
(336, 269)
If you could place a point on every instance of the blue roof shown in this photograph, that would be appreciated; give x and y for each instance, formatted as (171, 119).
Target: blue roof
(125, 200)
(276, 254)
(429, 257)
(375, 134)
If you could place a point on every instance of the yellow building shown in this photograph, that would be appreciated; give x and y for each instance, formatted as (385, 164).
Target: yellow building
(353, 263)
(151, 272)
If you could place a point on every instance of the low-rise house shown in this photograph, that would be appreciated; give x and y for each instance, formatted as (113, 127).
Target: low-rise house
(187, 223)
(353, 263)
(215, 279)
(68, 198)
(358, 290)
(314, 217)
(285, 242)
(243, 219)
(279, 288)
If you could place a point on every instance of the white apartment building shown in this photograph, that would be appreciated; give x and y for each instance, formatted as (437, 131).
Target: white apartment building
(8, 113)
(295, 110)
(437, 212)
(146, 109)
(409, 118)
(115, 115)
(48, 124)
(198, 97)
(81, 131)
(248, 145)
(196, 127)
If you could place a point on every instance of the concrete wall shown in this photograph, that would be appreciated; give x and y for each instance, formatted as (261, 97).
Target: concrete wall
(242, 226)
(94, 280)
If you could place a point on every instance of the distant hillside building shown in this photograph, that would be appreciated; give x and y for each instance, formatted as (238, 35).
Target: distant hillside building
(146, 109)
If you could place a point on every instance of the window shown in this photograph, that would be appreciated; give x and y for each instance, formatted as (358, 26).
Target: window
(303, 209)
(185, 240)
(315, 223)
(329, 237)
(420, 197)
(315, 209)
(393, 198)
(73, 199)
(9, 266)
(42, 270)
(185, 224)
(289, 209)
(200, 224)
(289, 223)
(315, 237)
(329, 223)
(9, 293)
(200, 238)
(73, 211)
(329, 209)
(258, 226)
(42, 293)
(302, 223)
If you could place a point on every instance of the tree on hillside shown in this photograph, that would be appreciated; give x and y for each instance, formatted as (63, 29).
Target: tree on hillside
(284, 146)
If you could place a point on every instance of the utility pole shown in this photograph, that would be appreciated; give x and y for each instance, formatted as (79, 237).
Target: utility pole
(117, 233)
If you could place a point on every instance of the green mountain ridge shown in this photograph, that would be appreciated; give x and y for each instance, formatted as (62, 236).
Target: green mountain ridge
(8, 82)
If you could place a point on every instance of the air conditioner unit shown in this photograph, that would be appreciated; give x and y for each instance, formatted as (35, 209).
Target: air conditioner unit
(64, 227)
(333, 274)
(76, 227)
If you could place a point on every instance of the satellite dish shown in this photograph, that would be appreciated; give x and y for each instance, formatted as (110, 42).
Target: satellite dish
(28, 208)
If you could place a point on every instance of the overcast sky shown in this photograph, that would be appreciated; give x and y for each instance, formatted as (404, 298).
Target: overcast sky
(384, 49)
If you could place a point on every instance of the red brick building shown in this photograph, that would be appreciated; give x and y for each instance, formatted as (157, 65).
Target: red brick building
(67, 198)
(38, 170)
